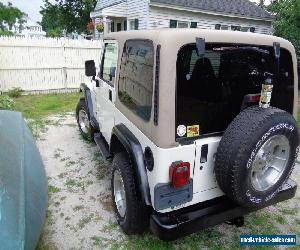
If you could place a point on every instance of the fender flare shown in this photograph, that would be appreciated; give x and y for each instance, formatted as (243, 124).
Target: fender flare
(89, 103)
(88, 98)
(136, 155)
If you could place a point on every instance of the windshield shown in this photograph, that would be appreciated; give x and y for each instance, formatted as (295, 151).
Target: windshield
(211, 89)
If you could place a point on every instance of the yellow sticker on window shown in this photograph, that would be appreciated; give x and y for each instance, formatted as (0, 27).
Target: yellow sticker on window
(193, 131)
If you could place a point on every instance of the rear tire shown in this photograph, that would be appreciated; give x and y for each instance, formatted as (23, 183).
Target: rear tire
(256, 155)
(83, 121)
(132, 214)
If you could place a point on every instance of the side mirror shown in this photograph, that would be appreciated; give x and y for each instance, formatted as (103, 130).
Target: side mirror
(112, 73)
(90, 68)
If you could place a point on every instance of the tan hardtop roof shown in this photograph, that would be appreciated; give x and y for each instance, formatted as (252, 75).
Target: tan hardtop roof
(183, 36)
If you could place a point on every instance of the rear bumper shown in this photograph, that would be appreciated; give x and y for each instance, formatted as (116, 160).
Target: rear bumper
(171, 226)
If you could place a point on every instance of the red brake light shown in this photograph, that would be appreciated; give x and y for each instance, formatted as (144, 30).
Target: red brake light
(179, 174)
(253, 98)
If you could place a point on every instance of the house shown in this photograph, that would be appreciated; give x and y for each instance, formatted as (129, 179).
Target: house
(239, 15)
(28, 28)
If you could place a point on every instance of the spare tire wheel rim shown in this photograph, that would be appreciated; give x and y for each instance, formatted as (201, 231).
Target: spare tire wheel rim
(119, 193)
(270, 162)
(83, 121)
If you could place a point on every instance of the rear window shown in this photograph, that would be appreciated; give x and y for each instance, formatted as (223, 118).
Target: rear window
(211, 88)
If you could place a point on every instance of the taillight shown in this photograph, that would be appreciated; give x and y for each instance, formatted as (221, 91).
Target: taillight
(179, 174)
(252, 98)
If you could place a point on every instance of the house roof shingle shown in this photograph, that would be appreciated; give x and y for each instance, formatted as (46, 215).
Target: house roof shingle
(242, 8)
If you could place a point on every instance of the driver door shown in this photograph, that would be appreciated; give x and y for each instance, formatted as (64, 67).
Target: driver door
(105, 93)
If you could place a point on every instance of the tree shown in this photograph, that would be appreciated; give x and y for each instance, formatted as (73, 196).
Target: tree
(9, 15)
(52, 19)
(67, 15)
(287, 21)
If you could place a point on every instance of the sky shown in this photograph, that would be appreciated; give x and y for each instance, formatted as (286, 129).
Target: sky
(32, 7)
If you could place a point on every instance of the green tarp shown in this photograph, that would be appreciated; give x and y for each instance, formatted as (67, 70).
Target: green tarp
(23, 185)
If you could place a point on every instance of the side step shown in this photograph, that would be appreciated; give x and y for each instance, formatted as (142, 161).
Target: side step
(102, 144)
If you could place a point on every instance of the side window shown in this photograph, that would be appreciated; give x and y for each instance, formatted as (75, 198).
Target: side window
(109, 63)
(136, 77)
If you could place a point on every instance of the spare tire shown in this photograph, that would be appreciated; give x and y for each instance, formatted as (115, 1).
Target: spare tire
(256, 155)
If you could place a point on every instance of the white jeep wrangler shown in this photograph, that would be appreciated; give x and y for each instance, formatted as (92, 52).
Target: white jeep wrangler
(198, 124)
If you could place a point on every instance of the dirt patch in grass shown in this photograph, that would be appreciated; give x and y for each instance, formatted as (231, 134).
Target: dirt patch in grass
(80, 214)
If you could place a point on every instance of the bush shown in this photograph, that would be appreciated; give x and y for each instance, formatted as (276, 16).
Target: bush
(15, 92)
(6, 102)
(6, 33)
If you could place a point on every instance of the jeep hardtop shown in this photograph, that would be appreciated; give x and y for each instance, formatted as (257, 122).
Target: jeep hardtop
(199, 125)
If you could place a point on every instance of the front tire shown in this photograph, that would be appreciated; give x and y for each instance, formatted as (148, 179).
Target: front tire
(132, 214)
(83, 121)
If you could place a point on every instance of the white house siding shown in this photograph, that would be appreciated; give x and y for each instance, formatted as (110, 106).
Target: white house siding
(106, 3)
(162, 17)
(118, 10)
(138, 9)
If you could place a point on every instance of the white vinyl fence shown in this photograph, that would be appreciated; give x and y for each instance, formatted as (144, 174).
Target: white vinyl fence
(45, 64)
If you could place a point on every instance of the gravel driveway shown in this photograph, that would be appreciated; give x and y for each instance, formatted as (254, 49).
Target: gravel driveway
(80, 213)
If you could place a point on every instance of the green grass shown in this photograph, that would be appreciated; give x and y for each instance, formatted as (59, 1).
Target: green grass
(41, 106)
(53, 190)
(36, 108)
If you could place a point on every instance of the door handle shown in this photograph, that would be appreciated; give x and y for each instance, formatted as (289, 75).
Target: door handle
(110, 95)
(204, 153)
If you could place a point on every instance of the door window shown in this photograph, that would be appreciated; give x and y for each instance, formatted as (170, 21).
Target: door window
(109, 63)
(136, 77)
(119, 27)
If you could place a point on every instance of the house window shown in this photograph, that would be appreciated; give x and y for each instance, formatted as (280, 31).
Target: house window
(245, 29)
(112, 27)
(218, 26)
(173, 23)
(125, 24)
(135, 90)
(235, 28)
(182, 24)
(134, 24)
(131, 24)
(109, 63)
(194, 24)
(221, 27)
(119, 27)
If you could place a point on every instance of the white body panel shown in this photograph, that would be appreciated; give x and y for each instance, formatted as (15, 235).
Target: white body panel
(105, 109)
